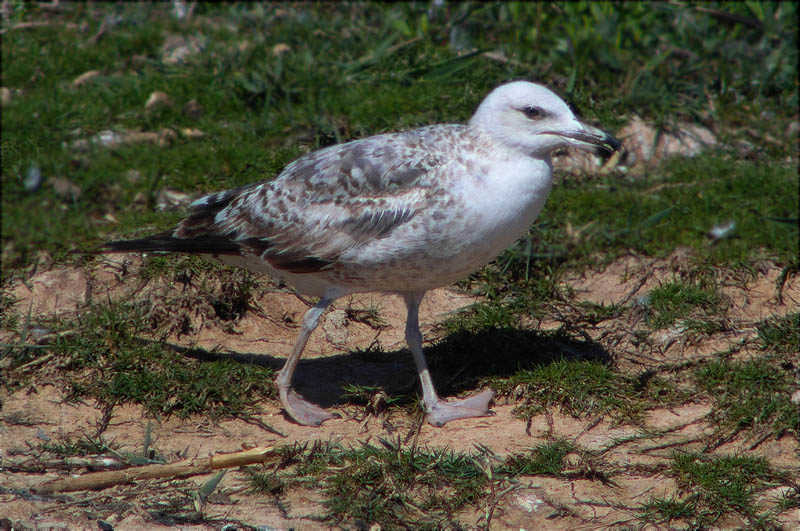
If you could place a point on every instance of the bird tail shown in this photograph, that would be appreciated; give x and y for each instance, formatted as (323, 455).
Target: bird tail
(166, 242)
(197, 232)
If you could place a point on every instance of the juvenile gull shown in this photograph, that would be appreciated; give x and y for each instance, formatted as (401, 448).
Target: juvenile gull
(401, 212)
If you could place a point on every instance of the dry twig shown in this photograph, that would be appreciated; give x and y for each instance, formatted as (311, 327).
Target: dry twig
(189, 467)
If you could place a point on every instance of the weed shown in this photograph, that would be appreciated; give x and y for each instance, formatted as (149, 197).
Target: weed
(712, 486)
(263, 482)
(580, 388)
(543, 459)
(789, 499)
(376, 484)
(665, 510)
(109, 362)
(781, 335)
(387, 484)
(721, 483)
(753, 394)
(66, 447)
(672, 301)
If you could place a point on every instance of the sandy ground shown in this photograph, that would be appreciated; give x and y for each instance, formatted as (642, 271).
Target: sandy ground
(637, 455)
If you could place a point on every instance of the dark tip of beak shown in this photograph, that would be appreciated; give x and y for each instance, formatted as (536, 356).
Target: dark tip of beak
(611, 143)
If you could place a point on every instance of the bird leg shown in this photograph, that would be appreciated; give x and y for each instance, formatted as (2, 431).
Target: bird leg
(295, 405)
(439, 412)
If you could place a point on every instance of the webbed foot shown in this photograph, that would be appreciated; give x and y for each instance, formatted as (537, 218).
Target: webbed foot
(443, 412)
(302, 410)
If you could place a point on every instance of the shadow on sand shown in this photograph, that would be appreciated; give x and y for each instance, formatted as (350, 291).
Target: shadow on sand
(460, 362)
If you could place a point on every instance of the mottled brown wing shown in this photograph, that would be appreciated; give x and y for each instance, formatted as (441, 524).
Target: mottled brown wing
(326, 202)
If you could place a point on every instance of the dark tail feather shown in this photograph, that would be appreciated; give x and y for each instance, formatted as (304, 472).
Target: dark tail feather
(165, 242)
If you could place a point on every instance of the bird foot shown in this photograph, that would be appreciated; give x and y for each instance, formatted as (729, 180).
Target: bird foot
(303, 411)
(474, 406)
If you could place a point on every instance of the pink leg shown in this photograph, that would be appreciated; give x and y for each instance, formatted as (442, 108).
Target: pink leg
(439, 411)
(295, 405)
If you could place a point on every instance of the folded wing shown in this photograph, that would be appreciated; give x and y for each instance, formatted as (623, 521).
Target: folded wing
(320, 206)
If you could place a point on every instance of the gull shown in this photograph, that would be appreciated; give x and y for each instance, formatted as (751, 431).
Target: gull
(401, 212)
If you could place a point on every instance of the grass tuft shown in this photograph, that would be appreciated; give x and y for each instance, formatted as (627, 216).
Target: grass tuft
(108, 361)
(577, 387)
(673, 301)
(753, 394)
(398, 486)
(543, 460)
(712, 487)
(781, 335)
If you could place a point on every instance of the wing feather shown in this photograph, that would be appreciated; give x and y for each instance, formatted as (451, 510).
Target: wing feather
(325, 202)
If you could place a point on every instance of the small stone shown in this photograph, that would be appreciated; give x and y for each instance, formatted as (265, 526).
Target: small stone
(167, 200)
(140, 199)
(133, 176)
(6, 94)
(157, 100)
(572, 460)
(796, 397)
(85, 78)
(191, 132)
(39, 333)
(108, 138)
(644, 144)
(33, 179)
(193, 110)
(280, 48)
(178, 49)
(64, 188)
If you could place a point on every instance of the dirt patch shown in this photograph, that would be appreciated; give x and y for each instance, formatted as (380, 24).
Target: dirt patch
(745, 300)
(634, 457)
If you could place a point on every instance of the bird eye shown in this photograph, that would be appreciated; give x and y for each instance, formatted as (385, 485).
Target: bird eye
(531, 112)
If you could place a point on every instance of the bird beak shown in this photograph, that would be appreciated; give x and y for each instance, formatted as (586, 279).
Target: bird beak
(589, 138)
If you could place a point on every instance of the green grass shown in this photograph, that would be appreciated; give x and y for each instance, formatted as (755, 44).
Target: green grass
(668, 303)
(395, 70)
(670, 208)
(106, 358)
(400, 486)
(781, 335)
(753, 394)
(543, 460)
(712, 487)
(579, 388)
(264, 481)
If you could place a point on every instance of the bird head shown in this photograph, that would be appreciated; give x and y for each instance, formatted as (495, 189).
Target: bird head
(530, 118)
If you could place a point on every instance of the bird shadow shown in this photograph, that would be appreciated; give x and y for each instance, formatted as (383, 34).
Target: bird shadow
(460, 362)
